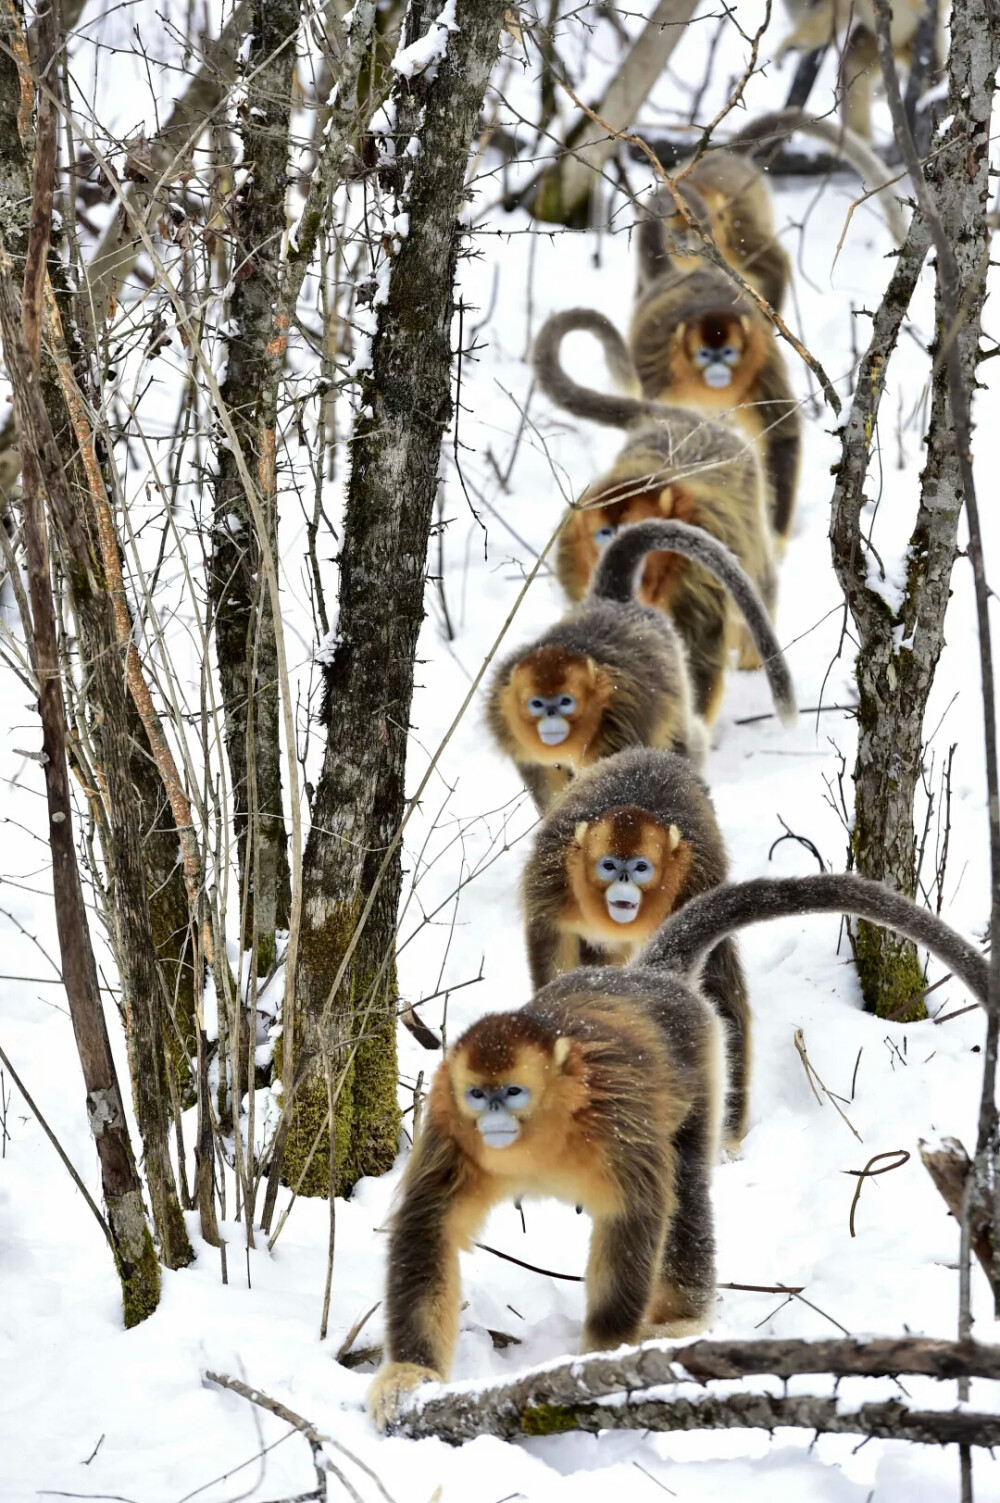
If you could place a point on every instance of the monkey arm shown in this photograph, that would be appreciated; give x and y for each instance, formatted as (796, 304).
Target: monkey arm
(701, 923)
(626, 1252)
(422, 1282)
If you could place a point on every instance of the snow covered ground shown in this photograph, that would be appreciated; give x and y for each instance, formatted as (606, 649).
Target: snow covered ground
(89, 1410)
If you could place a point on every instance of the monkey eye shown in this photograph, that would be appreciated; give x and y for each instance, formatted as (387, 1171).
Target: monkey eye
(729, 355)
(567, 704)
(607, 867)
(703, 355)
(536, 706)
(603, 535)
(641, 869)
(475, 1097)
(517, 1095)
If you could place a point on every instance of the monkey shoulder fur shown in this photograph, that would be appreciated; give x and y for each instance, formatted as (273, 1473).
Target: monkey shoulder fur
(630, 841)
(614, 674)
(604, 1092)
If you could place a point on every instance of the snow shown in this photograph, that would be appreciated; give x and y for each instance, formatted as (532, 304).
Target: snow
(423, 55)
(90, 1409)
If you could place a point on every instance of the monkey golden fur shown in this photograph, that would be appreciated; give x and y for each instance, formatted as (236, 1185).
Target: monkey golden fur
(624, 1066)
(818, 22)
(621, 1080)
(614, 673)
(726, 193)
(676, 464)
(630, 841)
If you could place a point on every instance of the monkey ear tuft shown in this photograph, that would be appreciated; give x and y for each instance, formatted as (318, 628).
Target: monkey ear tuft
(560, 1052)
(679, 330)
(674, 836)
(580, 831)
(592, 670)
(666, 501)
(744, 320)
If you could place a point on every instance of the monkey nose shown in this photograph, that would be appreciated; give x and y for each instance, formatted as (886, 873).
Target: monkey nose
(553, 730)
(718, 375)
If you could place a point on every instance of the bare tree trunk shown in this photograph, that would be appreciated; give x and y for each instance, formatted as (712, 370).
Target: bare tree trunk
(404, 410)
(41, 467)
(133, 941)
(244, 628)
(898, 649)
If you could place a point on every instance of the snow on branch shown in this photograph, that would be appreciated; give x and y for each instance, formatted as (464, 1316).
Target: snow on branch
(607, 1391)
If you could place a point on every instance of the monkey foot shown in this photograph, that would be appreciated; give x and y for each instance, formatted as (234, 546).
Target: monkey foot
(390, 1387)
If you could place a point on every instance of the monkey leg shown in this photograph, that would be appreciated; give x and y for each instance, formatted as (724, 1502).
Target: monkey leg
(771, 270)
(783, 447)
(701, 616)
(724, 983)
(684, 1292)
(626, 1251)
(857, 64)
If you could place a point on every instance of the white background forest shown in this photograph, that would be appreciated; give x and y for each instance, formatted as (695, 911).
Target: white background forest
(90, 1410)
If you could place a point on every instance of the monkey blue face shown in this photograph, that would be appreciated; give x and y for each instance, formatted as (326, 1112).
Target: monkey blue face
(551, 713)
(494, 1107)
(623, 880)
(716, 363)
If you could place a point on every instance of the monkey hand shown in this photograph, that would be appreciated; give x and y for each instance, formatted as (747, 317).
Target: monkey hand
(390, 1387)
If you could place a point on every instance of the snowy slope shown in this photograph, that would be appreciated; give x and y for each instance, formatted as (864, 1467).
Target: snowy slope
(74, 1379)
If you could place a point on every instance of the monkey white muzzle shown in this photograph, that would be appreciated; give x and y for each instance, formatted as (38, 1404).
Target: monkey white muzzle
(623, 900)
(717, 375)
(499, 1128)
(553, 730)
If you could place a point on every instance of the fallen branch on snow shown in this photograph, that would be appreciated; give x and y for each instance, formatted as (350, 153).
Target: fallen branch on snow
(596, 1393)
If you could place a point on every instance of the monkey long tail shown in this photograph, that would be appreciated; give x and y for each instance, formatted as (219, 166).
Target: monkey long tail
(616, 579)
(844, 143)
(584, 401)
(687, 936)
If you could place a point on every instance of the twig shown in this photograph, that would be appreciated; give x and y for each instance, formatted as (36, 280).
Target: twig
(322, 1463)
(812, 1074)
(901, 1157)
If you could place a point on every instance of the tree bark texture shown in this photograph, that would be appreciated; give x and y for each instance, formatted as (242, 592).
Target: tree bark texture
(132, 937)
(405, 408)
(898, 649)
(42, 472)
(244, 626)
(567, 1395)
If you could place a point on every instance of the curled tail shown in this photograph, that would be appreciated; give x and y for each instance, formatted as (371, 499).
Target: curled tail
(774, 127)
(687, 936)
(615, 411)
(615, 578)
